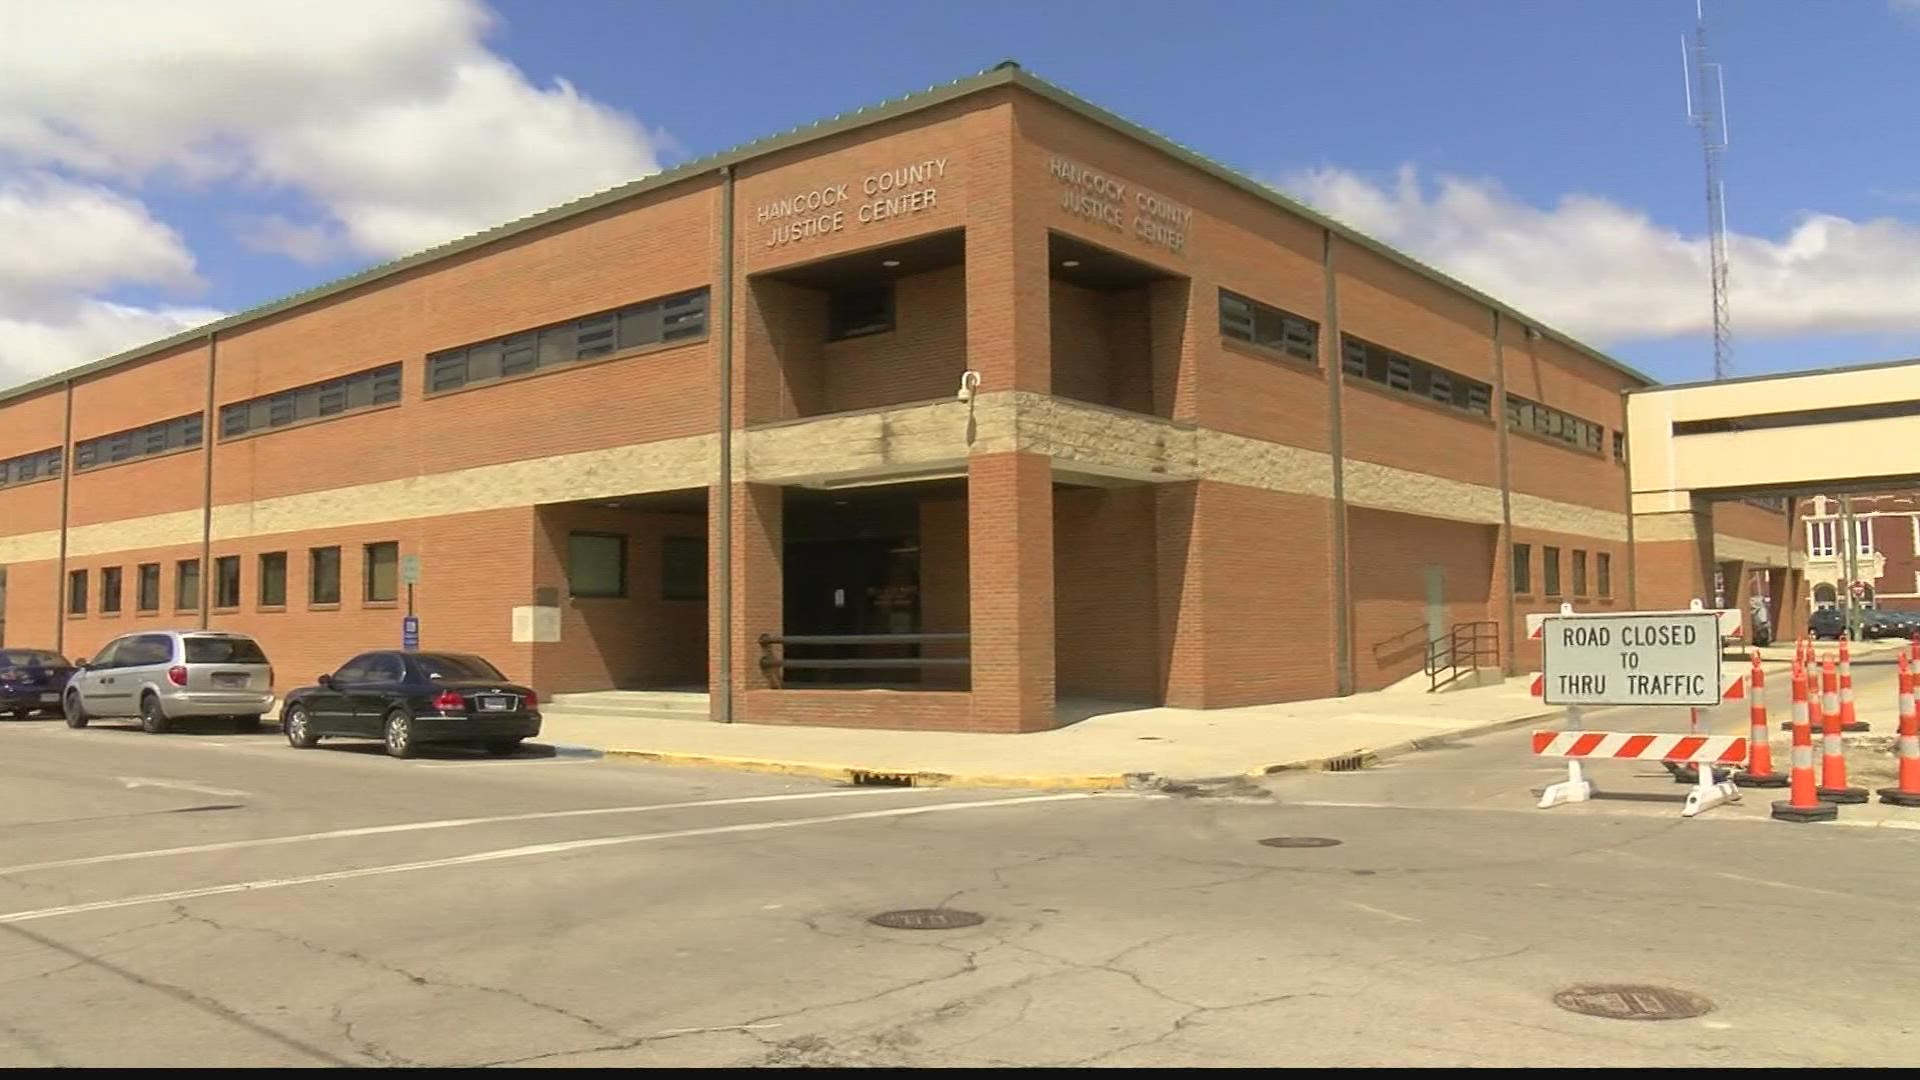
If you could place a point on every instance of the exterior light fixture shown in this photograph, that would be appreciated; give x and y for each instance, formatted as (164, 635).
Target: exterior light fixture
(1070, 263)
(889, 263)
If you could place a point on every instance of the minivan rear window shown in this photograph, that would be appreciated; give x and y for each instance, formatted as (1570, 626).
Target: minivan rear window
(224, 650)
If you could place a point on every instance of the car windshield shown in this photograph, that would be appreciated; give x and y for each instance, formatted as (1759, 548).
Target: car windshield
(31, 658)
(224, 650)
(444, 666)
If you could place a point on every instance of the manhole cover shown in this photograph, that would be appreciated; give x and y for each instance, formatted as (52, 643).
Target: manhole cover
(1633, 1002)
(1299, 841)
(927, 919)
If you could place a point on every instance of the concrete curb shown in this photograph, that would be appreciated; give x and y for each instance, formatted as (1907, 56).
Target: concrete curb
(875, 776)
(1365, 757)
(571, 750)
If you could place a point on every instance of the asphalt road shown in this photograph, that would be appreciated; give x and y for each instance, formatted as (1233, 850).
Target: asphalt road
(223, 900)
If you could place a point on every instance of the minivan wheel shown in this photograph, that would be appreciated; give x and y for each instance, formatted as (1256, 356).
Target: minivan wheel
(299, 728)
(152, 720)
(76, 716)
(400, 735)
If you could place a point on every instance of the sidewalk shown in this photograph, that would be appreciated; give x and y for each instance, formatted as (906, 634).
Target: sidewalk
(1116, 746)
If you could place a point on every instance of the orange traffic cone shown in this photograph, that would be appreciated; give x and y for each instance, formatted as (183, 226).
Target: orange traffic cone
(1848, 721)
(1833, 751)
(1908, 747)
(1759, 772)
(1803, 803)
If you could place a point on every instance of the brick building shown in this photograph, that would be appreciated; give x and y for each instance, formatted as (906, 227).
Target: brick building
(1885, 538)
(1212, 450)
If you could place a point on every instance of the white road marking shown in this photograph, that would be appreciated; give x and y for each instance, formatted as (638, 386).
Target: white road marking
(446, 823)
(1653, 810)
(178, 785)
(1380, 911)
(1784, 885)
(526, 852)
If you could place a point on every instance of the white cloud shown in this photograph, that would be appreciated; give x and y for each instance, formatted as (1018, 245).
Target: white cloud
(1607, 273)
(33, 344)
(394, 122)
(393, 118)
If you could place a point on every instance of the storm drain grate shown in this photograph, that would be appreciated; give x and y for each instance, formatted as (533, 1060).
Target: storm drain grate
(1299, 841)
(927, 919)
(1633, 1002)
(863, 778)
(1345, 763)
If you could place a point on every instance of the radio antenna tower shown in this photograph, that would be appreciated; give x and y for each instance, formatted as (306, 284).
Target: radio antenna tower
(1707, 111)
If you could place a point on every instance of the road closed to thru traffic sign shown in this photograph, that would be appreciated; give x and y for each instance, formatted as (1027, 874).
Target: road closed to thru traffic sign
(1637, 658)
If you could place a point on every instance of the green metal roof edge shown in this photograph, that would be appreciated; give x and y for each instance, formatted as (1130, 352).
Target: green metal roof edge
(1002, 74)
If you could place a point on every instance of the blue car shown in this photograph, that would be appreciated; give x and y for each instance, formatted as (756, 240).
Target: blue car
(31, 681)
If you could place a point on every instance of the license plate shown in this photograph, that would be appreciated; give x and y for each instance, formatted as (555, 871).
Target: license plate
(49, 699)
(222, 678)
(495, 704)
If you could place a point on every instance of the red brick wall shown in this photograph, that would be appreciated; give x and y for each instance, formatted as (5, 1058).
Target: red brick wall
(637, 642)
(1010, 529)
(919, 360)
(1535, 599)
(1390, 553)
(1102, 346)
(1106, 643)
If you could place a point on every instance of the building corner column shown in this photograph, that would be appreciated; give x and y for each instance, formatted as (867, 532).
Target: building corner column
(1011, 590)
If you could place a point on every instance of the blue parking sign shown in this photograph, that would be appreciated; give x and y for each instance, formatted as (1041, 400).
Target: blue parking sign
(410, 632)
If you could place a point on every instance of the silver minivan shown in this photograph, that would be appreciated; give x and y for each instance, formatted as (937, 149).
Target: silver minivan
(166, 675)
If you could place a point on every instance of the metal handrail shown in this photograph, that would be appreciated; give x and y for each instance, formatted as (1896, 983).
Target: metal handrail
(783, 663)
(1460, 651)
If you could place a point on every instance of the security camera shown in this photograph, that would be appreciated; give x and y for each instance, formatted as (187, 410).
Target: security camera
(969, 381)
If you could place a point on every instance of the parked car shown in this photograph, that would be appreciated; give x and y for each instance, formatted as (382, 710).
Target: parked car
(165, 675)
(1827, 623)
(1889, 624)
(409, 699)
(31, 681)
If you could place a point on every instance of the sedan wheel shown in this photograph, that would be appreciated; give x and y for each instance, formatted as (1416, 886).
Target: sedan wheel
(76, 716)
(400, 735)
(299, 727)
(152, 720)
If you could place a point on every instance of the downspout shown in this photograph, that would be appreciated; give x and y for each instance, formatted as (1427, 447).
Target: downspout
(66, 487)
(208, 428)
(1626, 470)
(1331, 364)
(1508, 646)
(723, 303)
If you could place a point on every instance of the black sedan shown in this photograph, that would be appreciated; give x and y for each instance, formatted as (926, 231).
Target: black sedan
(408, 699)
(31, 681)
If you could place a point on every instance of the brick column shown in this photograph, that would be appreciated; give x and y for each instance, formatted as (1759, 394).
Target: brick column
(1010, 590)
(758, 542)
(1009, 297)
(1177, 570)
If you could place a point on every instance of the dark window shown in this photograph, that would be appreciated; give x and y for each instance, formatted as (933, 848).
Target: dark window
(385, 668)
(1379, 364)
(273, 579)
(860, 310)
(1522, 568)
(147, 587)
(382, 571)
(361, 390)
(24, 658)
(323, 584)
(680, 317)
(683, 568)
(144, 650)
(456, 667)
(160, 438)
(1531, 416)
(76, 592)
(1550, 570)
(186, 585)
(355, 670)
(43, 465)
(1579, 572)
(224, 650)
(1268, 327)
(110, 591)
(226, 581)
(596, 564)
(1619, 446)
(1603, 572)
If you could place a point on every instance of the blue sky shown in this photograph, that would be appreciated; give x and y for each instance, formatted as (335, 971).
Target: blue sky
(1536, 149)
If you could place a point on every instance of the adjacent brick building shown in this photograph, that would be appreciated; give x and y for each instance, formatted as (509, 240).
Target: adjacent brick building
(1886, 556)
(1104, 418)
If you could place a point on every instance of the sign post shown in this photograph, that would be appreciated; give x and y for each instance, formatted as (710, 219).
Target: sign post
(1657, 659)
(410, 626)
